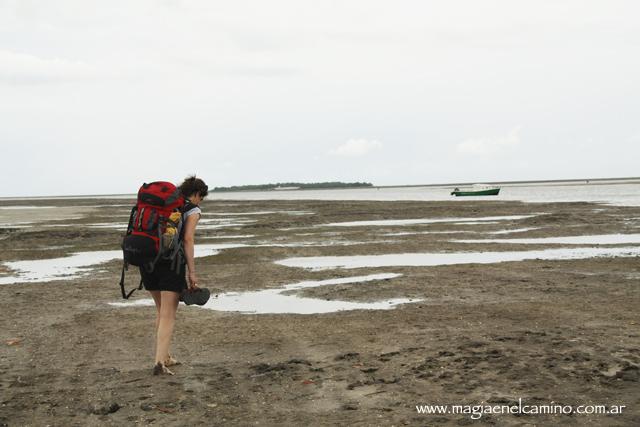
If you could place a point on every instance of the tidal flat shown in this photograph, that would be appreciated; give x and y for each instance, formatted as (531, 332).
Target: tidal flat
(544, 329)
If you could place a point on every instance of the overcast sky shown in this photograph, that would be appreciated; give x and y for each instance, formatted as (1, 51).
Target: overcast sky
(98, 96)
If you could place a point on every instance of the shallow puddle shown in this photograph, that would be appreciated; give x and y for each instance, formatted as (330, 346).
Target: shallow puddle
(258, 213)
(217, 223)
(515, 230)
(602, 239)
(476, 223)
(120, 226)
(225, 220)
(218, 226)
(16, 225)
(236, 236)
(413, 233)
(82, 263)
(67, 268)
(76, 265)
(275, 301)
(20, 207)
(386, 222)
(436, 259)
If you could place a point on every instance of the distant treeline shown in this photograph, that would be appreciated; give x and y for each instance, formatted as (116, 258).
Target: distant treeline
(300, 185)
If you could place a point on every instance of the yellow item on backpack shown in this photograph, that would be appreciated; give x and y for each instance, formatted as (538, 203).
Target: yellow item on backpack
(168, 237)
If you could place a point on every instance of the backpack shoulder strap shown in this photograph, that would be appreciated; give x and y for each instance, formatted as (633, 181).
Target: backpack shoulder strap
(187, 207)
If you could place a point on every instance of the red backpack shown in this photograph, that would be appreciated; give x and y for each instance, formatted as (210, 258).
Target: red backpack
(154, 232)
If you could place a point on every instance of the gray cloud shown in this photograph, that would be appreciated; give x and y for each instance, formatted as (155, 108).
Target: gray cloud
(22, 68)
(355, 147)
(490, 145)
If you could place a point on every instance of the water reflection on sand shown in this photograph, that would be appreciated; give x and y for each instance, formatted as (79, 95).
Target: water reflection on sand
(602, 239)
(283, 301)
(436, 259)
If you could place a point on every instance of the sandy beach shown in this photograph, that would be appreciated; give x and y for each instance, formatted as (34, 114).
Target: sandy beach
(552, 328)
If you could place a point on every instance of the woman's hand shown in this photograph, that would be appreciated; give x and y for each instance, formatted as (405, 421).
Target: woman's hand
(193, 282)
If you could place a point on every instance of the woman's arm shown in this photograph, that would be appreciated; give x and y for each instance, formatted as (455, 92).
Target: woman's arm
(189, 240)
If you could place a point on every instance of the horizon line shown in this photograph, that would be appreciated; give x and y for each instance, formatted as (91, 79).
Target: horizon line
(544, 181)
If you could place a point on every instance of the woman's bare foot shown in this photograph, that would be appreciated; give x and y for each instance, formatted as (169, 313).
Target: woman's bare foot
(161, 369)
(171, 361)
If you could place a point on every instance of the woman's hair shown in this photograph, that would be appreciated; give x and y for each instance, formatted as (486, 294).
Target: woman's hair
(192, 185)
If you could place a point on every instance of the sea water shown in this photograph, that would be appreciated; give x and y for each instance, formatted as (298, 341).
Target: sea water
(623, 192)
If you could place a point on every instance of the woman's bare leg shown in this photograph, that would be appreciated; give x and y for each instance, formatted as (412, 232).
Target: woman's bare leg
(158, 300)
(167, 319)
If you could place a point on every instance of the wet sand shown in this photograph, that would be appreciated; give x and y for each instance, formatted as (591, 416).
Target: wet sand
(563, 331)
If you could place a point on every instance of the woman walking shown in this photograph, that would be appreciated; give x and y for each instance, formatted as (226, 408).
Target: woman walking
(166, 284)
